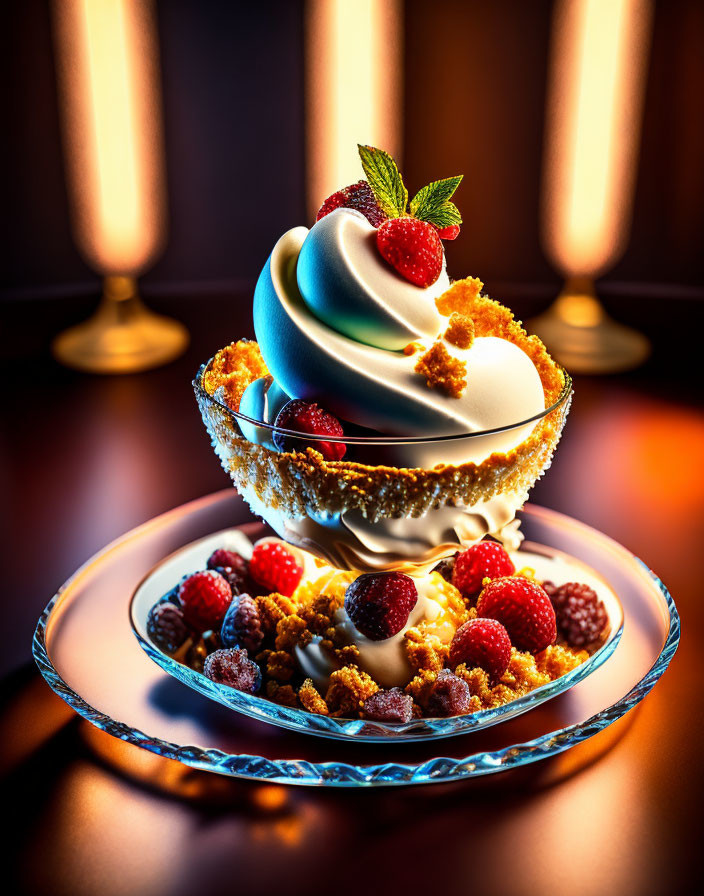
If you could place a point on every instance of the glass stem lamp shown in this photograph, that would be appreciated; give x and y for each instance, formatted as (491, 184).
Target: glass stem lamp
(108, 74)
(598, 64)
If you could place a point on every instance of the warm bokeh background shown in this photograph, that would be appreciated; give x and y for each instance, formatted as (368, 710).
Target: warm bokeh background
(85, 458)
(233, 92)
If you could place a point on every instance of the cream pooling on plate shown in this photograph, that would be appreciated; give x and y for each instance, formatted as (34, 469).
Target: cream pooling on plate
(331, 318)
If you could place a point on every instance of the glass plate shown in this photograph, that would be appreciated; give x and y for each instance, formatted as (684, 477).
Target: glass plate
(194, 556)
(85, 649)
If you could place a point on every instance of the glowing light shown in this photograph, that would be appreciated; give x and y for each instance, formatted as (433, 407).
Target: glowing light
(353, 71)
(599, 52)
(109, 81)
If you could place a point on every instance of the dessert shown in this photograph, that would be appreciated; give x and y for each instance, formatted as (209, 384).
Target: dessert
(384, 646)
(387, 424)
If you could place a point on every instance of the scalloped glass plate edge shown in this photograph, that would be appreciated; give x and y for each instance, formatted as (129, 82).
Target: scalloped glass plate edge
(437, 770)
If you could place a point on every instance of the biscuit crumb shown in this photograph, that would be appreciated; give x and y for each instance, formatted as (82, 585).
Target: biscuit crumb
(460, 331)
(233, 368)
(442, 371)
(413, 347)
(348, 689)
(459, 297)
(311, 700)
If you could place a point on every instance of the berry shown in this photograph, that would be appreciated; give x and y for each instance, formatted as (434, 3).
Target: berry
(581, 616)
(241, 626)
(451, 232)
(205, 597)
(166, 626)
(449, 695)
(413, 247)
(389, 706)
(358, 196)
(233, 668)
(304, 417)
(484, 643)
(446, 566)
(275, 567)
(487, 559)
(523, 608)
(222, 558)
(379, 604)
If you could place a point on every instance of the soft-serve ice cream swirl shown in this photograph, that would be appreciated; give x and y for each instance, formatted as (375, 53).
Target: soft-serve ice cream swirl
(331, 318)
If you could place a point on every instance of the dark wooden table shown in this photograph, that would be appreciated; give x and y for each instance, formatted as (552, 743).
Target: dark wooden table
(86, 458)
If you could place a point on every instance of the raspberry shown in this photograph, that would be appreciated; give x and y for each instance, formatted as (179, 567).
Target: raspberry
(304, 417)
(274, 566)
(413, 247)
(166, 626)
(451, 232)
(449, 695)
(581, 616)
(379, 604)
(524, 609)
(482, 560)
(232, 567)
(484, 643)
(358, 196)
(205, 597)
(224, 558)
(233, 668)
(389, 706)
(446, 566)
(241, 626)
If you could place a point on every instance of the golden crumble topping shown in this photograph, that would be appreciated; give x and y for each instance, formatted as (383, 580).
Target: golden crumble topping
(348, 689)
(460, 331)
(232, 370)
(413, 347)
(442, 371)
(311, 699)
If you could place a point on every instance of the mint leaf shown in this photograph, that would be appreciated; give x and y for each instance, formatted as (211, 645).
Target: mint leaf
(385, 180)
(434, 199)
(444, 215)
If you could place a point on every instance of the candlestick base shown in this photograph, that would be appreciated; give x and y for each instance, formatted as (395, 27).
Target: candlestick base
(583, 338)
(123, 336)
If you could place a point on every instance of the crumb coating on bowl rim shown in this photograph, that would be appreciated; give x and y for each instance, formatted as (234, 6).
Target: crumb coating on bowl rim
(299, 483)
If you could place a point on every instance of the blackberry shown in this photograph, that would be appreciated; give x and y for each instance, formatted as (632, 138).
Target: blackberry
(580, 614)
(389, 706)
(166, 626)
(449, 696)
(241, 626)
(232, 667)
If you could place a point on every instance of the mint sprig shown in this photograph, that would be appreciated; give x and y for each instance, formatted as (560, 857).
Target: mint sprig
(385, 180)
(432, 203)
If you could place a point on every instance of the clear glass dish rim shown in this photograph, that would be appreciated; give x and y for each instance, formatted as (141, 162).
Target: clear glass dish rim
(339, 774)
(382, 439)
(418, 730)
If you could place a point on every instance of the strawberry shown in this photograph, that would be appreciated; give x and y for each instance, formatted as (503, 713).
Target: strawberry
(523, 608)
(205, 597)
(482, 560)
(358, 196)
(275, 567)
(484, 643)
(379, 604)
(413, 248)
(304, 417)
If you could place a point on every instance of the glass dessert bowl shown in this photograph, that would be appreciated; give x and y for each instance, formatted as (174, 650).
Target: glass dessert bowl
(385, 424)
